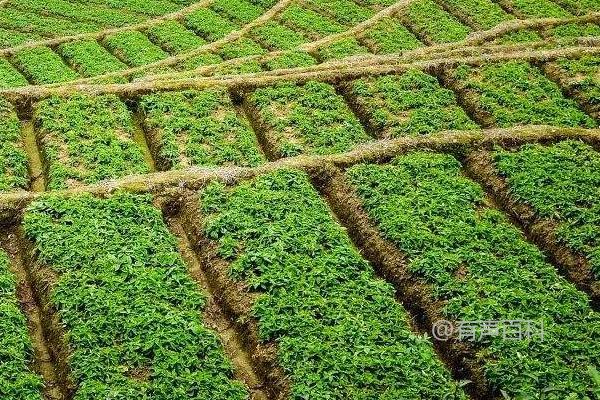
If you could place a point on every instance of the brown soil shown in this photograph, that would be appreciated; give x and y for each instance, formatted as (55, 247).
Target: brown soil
(256, 361)
(50, 347)
(36, 166)
(214, 317)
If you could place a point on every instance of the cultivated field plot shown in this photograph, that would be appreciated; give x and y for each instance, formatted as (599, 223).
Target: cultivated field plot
(299, 199)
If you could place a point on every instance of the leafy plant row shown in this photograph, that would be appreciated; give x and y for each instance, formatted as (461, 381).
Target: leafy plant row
(346, 12)
(563, 33)
(580, 7)
(86, 139)
(309, 23)
(581, 77)
(389, 36)
(198, 128)
(89, 58)
(516, 93)
(9, 38)
(149, 7)
(432, 24)
(310, 119)
(96, 14)
(481, 268)
(9, 76)
(131, 314)
(240, 12)
(410, 104)
(29, 22)
(481, 14)
(537, 8)
(276, 36)
(13, 158)
(342, 48)
(340, 333)
(561, 182)
(174, 37)
(134, 48)
(17, 380)
(41, 65)
(209, 24)
(549, 8)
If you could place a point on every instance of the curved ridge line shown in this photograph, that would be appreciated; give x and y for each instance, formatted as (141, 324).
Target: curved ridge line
(474, 38)
(347, 71)
(194, 177)
(172, 60)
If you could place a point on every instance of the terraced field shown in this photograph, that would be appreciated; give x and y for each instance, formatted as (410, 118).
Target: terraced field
(299, 199)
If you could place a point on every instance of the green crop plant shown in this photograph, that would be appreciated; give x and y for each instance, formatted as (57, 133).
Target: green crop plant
(201, 60)
(433, 23)
(560, 182)
(241, 47)
(134, 48)
(275, 36)
(42, 66)
(340, 334)
(311, 118)
(209, 24)
(9, 38)
(377, 4)
(173, 37)
(309, 22)
(264, 4)
(516, 93)
(101, 15)
(86, 139)
(538, 8)
(519, 36)
(131, 313)
(484, 13)
(29, 22)
(481, 268)
(199, 128)
(239, 11)
(9, 76)
(13, 158)
(17, 381)
(573, 31)
(293, 59)
(389, 36)
(346, 12)
(246, 67)
(342, 48)
(151, 8)
(583, 73)
(580, 7)
(410, 104)
(89, 59)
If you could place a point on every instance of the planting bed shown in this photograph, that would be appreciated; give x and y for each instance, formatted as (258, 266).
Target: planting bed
(515, 93)
(17, 380)
(304, 119)
(198, 128)
(408, 104)
(13, 158)
(299, 199)
(85, 139)
(130, 315)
